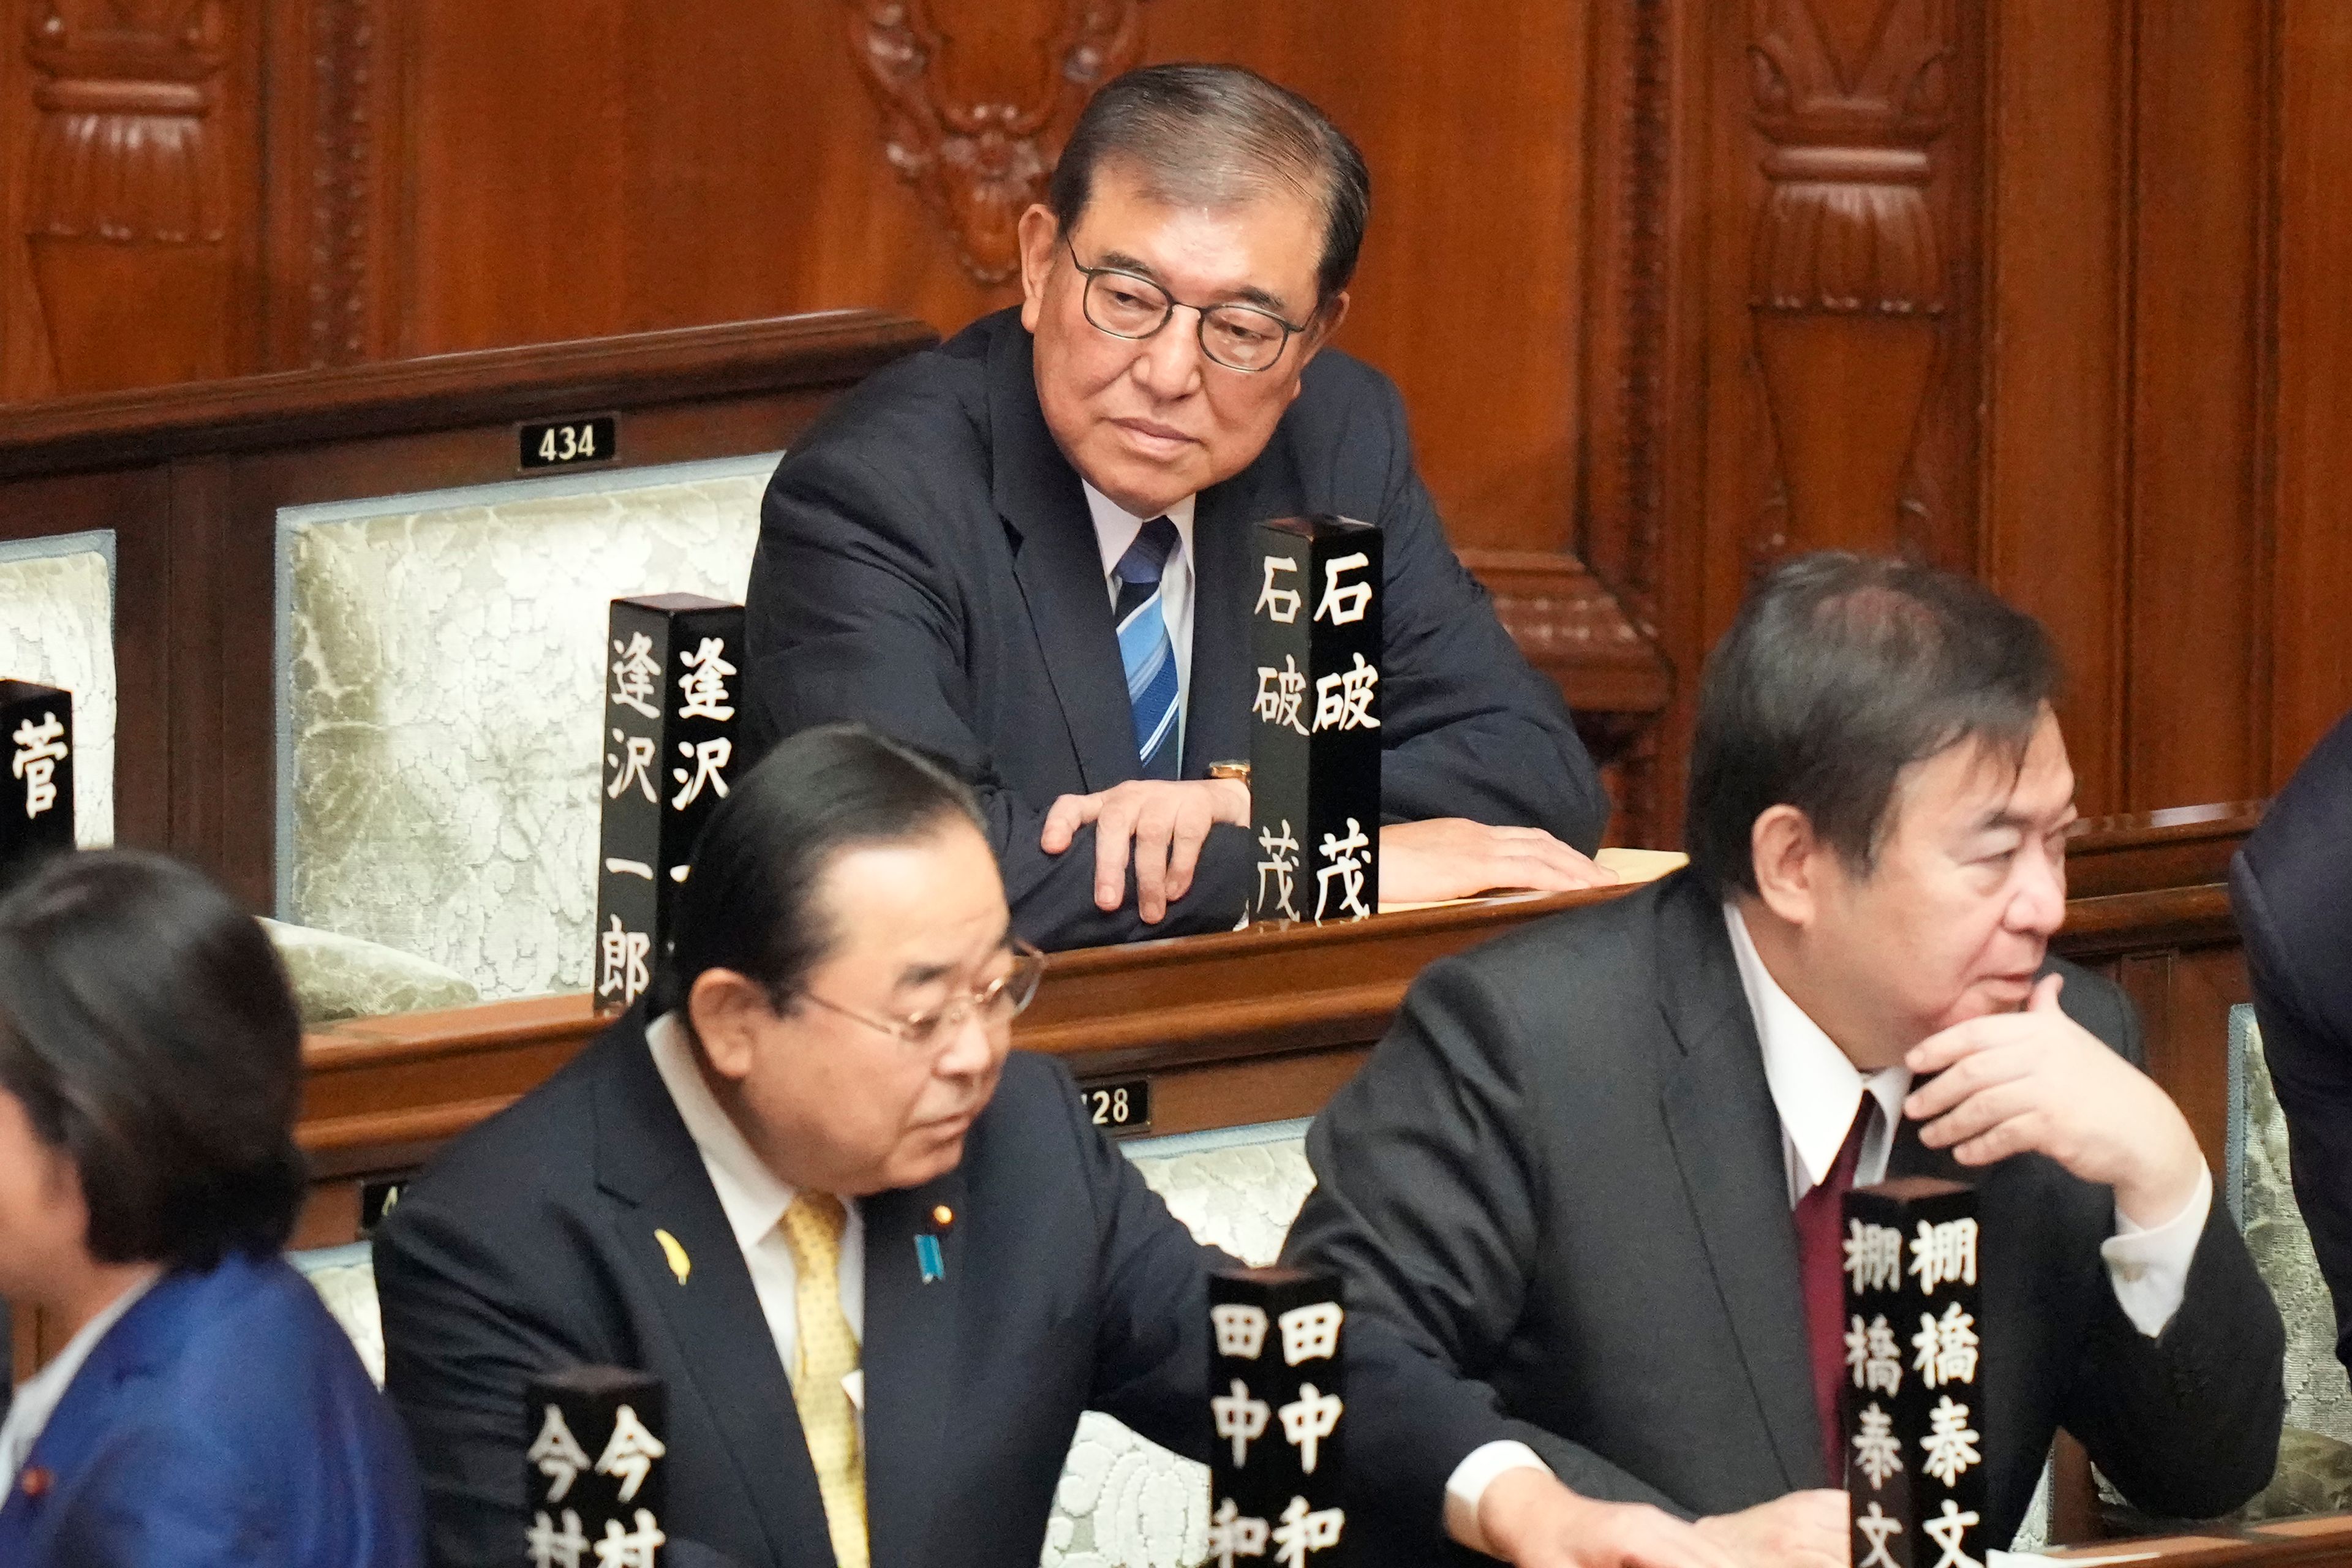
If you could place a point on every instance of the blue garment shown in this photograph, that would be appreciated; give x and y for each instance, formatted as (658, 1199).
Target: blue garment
(1145, 648)
(224, 1420)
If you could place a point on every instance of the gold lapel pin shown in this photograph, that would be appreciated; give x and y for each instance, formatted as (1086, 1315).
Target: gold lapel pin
(679, 1263)
(943, 1216)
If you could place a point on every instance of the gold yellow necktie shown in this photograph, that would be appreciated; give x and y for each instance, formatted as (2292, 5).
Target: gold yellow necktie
(828, 1353)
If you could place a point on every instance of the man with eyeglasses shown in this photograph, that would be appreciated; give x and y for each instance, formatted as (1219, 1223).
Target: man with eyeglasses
(1029, 551)
(880, 1264)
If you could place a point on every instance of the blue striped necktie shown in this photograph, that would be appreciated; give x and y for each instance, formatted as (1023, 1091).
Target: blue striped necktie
(1145, 649)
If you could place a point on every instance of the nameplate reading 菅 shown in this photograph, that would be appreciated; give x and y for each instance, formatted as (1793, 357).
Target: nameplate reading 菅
(1913, 1396)
(37, 798)
(568, 443)
(671, 680)
(593, 1469)
(1315, 730)
(1277, 1408)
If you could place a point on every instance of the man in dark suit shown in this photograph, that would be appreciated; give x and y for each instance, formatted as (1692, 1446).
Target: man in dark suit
(880, 1265)
(2291, 884)
(1592, 1175)
(1030, 549)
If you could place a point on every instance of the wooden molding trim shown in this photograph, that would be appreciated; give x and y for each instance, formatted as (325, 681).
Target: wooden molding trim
(1571, 627)
(824, 348)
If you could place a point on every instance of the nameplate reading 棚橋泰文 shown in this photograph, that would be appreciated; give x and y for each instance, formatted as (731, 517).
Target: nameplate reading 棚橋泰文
(567, 443)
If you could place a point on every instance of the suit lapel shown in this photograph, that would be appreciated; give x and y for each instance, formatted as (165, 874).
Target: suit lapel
(1726, 1141)
(646, 1163)
(910, 1359)
(1059, 567)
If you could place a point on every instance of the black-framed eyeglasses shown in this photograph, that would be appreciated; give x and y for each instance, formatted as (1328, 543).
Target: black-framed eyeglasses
(1130, 305)
(994, 1004)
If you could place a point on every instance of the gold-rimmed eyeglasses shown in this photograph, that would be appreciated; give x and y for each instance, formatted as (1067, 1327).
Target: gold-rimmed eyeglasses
(1129, 305)
(994, 1004)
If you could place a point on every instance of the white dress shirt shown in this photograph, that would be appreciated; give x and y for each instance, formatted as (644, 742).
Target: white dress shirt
(1818, 1092)
(37, 1400)
(754, 1201)
(1115, 531)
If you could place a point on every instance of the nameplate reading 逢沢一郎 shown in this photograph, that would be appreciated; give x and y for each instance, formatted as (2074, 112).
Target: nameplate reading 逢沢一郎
(1315, 731)
(670, 668)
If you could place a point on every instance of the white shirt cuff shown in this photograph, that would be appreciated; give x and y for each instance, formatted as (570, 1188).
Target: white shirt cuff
(2148, 1264)
(1466, 1486)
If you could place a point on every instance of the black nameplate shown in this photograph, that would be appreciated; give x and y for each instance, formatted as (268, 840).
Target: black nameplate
(671, 689)
(36, 793)
(1315, 735)
(569, 443)
(593, 1474)
(378, 1199)
(1913, 1410)
(1276, 1403)
(1121, 1106)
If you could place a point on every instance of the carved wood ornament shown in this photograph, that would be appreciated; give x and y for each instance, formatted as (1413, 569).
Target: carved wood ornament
(1848, 280)
(978, 165)
(125, 210)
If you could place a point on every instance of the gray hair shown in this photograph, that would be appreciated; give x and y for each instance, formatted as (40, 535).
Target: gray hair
(1216, 136)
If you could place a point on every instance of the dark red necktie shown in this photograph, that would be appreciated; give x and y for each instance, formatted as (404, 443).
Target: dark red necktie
(1819, 1263)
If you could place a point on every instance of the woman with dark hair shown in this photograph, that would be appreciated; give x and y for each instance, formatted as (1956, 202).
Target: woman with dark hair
(206, 1409)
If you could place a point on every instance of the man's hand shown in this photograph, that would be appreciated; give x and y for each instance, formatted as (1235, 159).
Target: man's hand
(2037, 1082)
(1802, 1530)
(1528, 1518)
(1452, 858)
(1161, 823)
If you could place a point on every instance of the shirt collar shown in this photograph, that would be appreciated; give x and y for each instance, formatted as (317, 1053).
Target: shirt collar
(752, 1196)
(1116, 527)
(37, 1400)
(1815, 1085)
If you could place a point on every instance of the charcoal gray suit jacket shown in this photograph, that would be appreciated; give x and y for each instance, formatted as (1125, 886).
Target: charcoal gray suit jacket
(926, 565)
(2291, 884)
(529, 1246)
(1559, 1182)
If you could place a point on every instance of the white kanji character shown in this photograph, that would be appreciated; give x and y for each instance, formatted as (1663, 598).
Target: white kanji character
(1311, 1332)
(39, 749)
(1232, 1533)
(710, 757)
(1877, 1451)
(1344, 701)
(1281, 863)
(1305, 1529)
(1344, 605)
(1948, 1533)
(1950, 1445)
(552, 1548)
(633, 764)
(622, 967)
(1877, 1360)
(1346, 859)
(1241, 1329)
(558, 1454)
(1281, 604)
(1944, 1252)
(1240, 1419)
(638, 1547)
(1877, 1526)
(637, 675)
(1307, 1420)
(629, 1457)
(705, 681)
(1947, 1347)
(1279, 694)
(1874, 1257)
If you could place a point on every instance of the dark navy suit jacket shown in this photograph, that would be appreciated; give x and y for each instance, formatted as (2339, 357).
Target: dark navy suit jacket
(531, 1244)
(224, 1422)
(926, 565)
(2291, 884)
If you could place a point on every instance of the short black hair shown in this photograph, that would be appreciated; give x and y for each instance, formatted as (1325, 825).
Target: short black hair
(749, 904)
(1840, 671)
(1213, 135)
(147, 1028)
